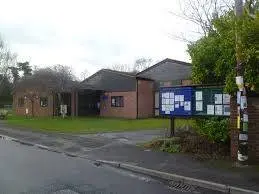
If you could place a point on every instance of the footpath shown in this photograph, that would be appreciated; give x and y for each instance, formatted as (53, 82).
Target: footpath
(111, 148)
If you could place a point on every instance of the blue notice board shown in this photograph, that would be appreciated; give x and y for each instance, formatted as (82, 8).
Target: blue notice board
(175, 101)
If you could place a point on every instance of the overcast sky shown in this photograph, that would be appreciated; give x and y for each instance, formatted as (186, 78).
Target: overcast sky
(92, 34)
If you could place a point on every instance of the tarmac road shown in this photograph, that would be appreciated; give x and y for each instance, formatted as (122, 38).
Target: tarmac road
(27, 169)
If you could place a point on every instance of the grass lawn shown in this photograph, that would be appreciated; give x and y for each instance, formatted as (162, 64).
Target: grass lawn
(90, 124)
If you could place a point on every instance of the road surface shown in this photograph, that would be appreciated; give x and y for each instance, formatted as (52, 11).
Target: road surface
(27, 169)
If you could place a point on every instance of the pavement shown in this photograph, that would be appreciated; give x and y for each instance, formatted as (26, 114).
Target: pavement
(121, 147)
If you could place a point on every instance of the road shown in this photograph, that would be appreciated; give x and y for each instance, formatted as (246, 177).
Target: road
(27, 169)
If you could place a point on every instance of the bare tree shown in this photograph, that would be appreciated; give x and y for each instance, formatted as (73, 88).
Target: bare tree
(201, 14)
(122, 67)
(64, 75)
(7, 60)
(142, 63)
(58, 78)
(84, 74)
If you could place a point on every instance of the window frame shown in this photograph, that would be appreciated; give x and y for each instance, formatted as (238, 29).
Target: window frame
(118, 101)
(42, 100)
(21, 99)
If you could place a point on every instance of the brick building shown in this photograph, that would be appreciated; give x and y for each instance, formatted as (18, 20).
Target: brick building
(131, 95)
(106, 93)
(121, 94)
(167, 73)
(38, 96)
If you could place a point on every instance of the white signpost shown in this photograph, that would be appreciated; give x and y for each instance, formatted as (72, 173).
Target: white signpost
(63, 110)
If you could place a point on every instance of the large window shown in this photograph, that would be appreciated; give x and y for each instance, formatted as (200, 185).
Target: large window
(21, 102)
(43, 101)
(117, 101)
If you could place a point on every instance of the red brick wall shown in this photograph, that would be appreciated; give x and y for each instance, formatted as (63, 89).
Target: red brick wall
(145, 98)
(253, 129)
(128, 111)
(37, 109)
(186, 82)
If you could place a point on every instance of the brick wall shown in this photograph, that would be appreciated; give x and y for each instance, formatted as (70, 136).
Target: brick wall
(37, 109)
(253, 129)
(129, 110)
(186, 82)
(145, 98)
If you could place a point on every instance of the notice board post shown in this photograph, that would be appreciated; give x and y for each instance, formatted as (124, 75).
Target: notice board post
(175, 102)
(172, 129)
(193, 101)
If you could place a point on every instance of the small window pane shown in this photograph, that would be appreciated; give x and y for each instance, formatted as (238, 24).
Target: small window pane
(43, 101)
(20, 102)
(117, 101)
(113, 101)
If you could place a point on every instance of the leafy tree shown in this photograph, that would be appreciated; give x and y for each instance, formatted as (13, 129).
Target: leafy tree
(213, 56)
(15, 74)
(5, 91)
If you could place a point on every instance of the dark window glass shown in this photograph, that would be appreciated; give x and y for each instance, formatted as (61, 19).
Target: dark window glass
(43, 101)
(117, 101)
(21, 102)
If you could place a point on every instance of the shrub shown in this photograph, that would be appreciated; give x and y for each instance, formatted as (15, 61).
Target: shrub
(171, 148)
(3, 114)
(214, 128)
(171, 145)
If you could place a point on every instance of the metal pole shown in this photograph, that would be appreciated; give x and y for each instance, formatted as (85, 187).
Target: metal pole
(172, 126)
(242, 116)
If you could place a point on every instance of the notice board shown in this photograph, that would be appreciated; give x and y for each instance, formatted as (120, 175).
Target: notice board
(194, 101)
(176, 101)
(211, 101)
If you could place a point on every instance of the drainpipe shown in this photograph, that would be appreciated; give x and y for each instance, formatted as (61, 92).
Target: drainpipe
(137, 95)
(53, 104)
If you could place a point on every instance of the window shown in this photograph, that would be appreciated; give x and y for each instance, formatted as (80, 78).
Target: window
(43, 101)
(117, 101)
(21, 102)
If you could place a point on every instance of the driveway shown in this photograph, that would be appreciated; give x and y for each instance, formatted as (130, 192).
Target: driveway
(79, 144)
(132, 138)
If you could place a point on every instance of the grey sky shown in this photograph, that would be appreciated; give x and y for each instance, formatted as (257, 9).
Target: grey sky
(92, 34)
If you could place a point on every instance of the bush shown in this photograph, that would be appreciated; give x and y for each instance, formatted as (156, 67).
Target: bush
(3, 114)
(170, 145)
(171, 148)
(214, 128)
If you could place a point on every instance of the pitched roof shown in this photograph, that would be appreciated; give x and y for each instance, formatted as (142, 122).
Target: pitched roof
(110, 80)
(47, 84)
(167, 70)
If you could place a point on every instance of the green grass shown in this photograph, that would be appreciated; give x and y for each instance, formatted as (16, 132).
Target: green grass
(90, 124)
